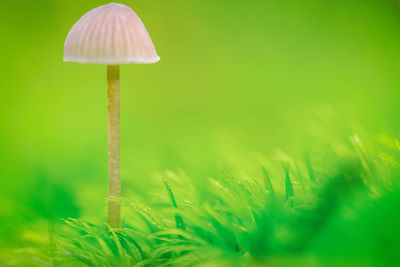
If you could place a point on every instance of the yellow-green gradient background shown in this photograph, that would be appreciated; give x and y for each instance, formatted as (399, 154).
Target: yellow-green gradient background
(237, 82)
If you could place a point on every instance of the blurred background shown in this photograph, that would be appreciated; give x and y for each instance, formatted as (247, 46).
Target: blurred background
(238, 83)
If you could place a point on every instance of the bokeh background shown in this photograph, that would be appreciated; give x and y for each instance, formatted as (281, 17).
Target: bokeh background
(238, 83)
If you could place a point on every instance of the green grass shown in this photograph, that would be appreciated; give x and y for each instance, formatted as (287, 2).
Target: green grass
(341, 212)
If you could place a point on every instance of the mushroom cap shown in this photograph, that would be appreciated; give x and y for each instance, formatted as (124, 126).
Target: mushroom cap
(111, 34)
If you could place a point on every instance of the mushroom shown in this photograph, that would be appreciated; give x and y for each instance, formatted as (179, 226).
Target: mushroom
(112, 35)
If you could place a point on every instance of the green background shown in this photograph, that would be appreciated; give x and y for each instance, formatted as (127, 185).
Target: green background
(239, 82)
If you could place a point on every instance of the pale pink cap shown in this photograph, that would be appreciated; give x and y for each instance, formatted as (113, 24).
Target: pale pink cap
(111, 34)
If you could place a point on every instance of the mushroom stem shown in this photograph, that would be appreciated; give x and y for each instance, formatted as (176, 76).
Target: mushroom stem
(114, 169)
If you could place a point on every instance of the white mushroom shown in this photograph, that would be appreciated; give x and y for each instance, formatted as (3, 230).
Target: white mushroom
(112, 35)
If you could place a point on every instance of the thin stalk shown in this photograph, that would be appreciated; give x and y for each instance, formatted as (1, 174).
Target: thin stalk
(114, 169)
